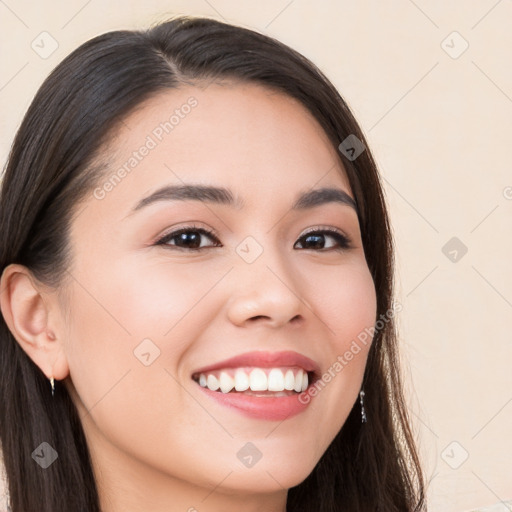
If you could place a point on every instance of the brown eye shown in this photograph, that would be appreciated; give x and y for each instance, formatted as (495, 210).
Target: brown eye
(188, 238)
(318, 240)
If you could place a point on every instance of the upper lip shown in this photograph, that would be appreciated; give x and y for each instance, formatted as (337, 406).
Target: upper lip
(263, 359)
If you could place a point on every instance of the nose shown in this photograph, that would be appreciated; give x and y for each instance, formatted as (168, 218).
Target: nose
(265, 293)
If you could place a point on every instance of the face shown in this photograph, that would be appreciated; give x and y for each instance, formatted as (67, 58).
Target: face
(168, 290)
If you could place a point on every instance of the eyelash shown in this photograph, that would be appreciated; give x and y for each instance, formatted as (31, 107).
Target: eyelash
(343, 241)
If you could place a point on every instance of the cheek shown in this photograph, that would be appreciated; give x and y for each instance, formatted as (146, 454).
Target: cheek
(100, 347)
(117, 320)
(117, 338)
(346, 303)
(345, 299)
(161, 296)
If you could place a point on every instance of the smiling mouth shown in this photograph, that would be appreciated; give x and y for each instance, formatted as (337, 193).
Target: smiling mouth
(257, 381)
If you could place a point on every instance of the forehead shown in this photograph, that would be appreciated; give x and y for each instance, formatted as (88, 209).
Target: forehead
(258, 142)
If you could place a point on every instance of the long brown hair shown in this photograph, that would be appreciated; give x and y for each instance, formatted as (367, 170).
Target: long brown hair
(53, 165)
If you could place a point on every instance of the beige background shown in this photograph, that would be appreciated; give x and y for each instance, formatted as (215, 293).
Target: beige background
(439, 124)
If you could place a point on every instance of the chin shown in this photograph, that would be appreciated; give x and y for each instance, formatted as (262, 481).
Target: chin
(266, 479)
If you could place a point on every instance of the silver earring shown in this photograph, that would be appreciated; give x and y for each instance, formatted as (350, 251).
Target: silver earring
(363, 413)
(52, 383)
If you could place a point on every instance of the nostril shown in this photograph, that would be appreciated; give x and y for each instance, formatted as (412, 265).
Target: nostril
(258, 317)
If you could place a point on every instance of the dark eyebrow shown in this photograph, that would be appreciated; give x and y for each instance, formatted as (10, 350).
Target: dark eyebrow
(209, 194)
(323, 196)
(224, 196)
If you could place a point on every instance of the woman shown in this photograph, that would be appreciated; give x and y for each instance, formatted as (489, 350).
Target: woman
(198, 259)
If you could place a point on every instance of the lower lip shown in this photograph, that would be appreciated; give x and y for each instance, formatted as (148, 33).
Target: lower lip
(272, 408)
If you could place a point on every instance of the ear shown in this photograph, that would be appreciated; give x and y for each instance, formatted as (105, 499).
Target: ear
(32, 314)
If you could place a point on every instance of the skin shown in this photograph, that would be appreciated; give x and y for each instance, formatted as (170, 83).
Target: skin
(157, 442)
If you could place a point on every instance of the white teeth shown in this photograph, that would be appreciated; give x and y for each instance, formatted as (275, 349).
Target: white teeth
(298, 381)
(258, 380)
(275, 380)
(241, 380)
(212, 382)
(227, 383)
(304, 381)
(289, 380)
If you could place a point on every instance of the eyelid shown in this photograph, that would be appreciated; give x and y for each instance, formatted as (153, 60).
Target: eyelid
(210, 232)
(324, 228)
